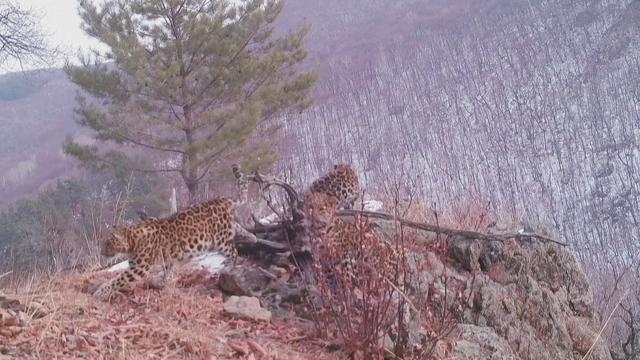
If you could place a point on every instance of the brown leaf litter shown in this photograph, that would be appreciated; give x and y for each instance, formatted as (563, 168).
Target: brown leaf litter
(182, 321)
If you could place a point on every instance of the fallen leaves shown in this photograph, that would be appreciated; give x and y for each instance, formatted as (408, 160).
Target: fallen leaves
(15, 315)
(10, 331)
(249, 347)
(176, 322)
(239, 347)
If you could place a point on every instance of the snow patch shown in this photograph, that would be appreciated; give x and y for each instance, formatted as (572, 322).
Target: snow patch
(371, 205)
(212, 262)
(119, 266)
(269, 219)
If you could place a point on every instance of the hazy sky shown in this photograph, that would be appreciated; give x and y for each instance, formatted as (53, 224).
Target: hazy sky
(60, 19)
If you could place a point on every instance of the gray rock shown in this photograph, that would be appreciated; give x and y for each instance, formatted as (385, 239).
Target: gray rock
(288, 293)
(476, 342)
(245, 307)
(536, 298)
(490, 254)
(466, 252)
(243, 281)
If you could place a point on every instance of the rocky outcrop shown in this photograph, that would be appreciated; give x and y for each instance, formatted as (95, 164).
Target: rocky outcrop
(529, 294)
(505, 296)
(480, 342)
(522, 298)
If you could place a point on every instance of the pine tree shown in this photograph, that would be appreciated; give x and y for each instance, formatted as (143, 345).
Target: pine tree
(189, 80)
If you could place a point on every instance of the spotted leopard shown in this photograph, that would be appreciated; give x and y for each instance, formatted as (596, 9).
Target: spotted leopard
(341, 183)
(346, 244)
(184, 235)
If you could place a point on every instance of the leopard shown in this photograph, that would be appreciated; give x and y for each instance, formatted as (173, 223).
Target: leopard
(346, 244)
(204, 227)
(341, 182)
(353, 266)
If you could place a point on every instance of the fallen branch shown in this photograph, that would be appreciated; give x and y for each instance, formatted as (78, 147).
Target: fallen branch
(447, 231)
(266, 182)
(257, 348)
(246, 237)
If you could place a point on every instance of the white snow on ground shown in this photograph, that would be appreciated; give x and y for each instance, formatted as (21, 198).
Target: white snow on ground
(212, 262)
(371, 205)
(119, 266)
(269, 219)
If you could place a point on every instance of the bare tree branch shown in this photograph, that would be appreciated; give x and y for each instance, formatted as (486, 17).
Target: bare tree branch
(21, 38)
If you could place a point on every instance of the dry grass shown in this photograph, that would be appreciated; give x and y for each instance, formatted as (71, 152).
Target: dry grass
(182, 321)
(472, 213)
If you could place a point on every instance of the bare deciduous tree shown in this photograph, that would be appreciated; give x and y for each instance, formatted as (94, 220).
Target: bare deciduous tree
(22, 40)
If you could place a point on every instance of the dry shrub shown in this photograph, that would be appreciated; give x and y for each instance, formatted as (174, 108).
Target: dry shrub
(357, 294)
(470, 213)
(622, 303)
(377, 304)
(435, 297)
(409, 308)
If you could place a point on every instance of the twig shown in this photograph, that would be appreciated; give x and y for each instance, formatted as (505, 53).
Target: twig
(406, 298)
(266, 182)
(604, 326)
(257, 348)
(5, 274)
(268, 274)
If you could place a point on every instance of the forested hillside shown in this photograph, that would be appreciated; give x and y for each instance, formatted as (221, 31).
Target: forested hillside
(37, 114)
(533, 106)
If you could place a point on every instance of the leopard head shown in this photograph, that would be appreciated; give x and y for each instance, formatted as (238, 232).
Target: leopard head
(116, 243)
(342, 167)
(320, 208)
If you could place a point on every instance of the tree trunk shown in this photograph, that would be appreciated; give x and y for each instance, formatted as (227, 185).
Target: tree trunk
(192, 187)
(189, 159)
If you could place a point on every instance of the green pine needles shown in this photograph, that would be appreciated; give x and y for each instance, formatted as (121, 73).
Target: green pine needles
(185, 83)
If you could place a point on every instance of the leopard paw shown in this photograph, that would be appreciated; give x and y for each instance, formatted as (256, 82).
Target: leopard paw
(103, 293)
